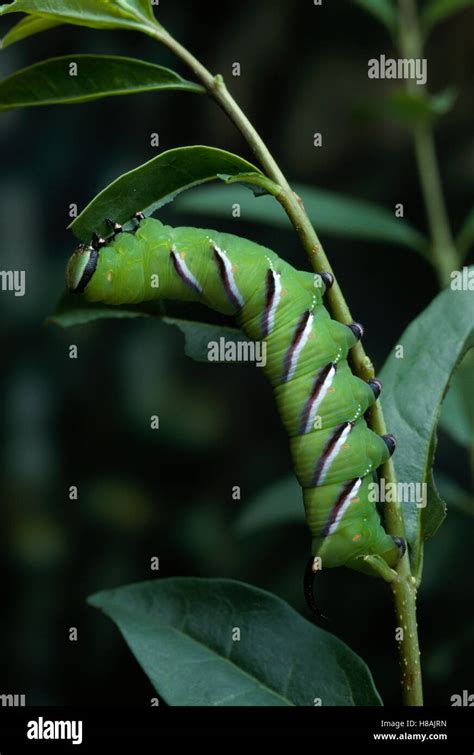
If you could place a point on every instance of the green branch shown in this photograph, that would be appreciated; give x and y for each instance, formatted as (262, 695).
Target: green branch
(403, 587)
(444, 255)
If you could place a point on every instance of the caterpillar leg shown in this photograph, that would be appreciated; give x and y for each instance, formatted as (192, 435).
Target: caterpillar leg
(98, 242)
(116, 227)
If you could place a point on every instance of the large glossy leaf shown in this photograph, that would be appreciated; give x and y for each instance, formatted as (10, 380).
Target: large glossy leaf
(26, 28)
(96, 14)
(157, 182)
(414, 387)
(436, 11)
(50, 81)
(183, 632)
(332, 214)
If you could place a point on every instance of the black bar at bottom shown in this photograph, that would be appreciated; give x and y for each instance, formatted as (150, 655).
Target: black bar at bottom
(55, 729)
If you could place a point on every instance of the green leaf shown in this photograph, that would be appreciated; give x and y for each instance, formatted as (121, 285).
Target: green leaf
(277, 504)
(465, 236)
(198, 335)
(457, 416)
(332, 214)
(414, 387)
(436, 11)
(26, 28)
(383, 10)
(155, 183)
(180, 631)
(95, 14)
(76, 310)
(415, 107)
(50, 83)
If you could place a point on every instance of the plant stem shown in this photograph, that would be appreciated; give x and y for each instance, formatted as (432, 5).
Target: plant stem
(403, 587)
(404, 597)
(445, 257)
(291, 203)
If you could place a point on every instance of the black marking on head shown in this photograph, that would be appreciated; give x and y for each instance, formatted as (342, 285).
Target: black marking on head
(328, 279)
(376, 386)
(357, 329)
(401, 545)
(139, 216)
(390, 442)
(89, 271)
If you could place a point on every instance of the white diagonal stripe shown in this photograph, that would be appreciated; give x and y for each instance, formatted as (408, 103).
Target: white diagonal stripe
(334, 453)
(317, 401)
(344, 506)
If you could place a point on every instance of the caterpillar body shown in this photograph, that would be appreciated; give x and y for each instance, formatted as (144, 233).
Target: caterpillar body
(321, 402)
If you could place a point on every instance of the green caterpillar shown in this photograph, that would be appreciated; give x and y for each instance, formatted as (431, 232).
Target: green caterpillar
(321, 402)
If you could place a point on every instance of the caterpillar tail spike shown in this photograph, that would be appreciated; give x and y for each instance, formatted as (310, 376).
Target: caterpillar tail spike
(311, 570)
(322, 403)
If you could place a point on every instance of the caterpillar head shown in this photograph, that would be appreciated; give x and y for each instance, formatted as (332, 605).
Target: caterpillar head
(81, 267)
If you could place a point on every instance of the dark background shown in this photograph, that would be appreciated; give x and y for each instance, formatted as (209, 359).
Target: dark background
(85, 422)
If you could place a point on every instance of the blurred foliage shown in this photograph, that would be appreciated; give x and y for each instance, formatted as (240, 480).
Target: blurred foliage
(86, 422)
(333, 214)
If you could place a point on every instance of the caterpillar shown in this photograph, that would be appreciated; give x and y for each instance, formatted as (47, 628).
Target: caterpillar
(321, 402)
